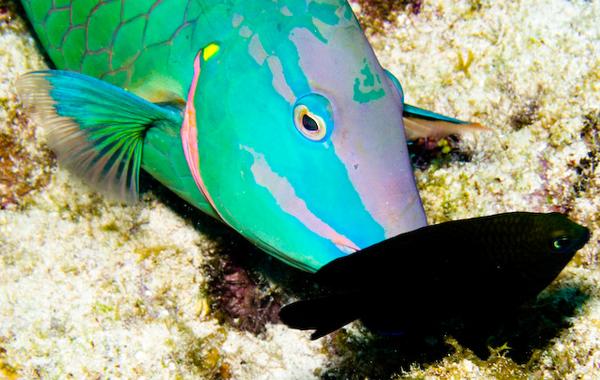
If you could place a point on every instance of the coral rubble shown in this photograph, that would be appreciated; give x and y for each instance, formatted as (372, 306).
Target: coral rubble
(90, 288)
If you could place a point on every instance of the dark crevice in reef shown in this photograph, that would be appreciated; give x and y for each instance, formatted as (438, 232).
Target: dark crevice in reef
(240, 298)
(248, 287)
(441, 153)
(506, 344)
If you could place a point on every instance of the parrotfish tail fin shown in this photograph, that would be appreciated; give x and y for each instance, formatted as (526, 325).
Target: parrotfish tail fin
(324, 315)
(95, 129)
(423, 123)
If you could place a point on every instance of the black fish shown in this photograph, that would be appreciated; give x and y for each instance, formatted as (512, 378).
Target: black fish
(471, 268)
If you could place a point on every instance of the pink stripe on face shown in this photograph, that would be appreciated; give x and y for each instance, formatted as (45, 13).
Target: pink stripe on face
(290, 202)
(189, 136)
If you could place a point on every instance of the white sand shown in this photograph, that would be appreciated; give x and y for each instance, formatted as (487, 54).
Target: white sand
(90, 289)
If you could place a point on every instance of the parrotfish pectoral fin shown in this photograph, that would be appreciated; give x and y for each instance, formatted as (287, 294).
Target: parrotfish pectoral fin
(416, 112)
(324, 315)
(95, 129)
(419, 123)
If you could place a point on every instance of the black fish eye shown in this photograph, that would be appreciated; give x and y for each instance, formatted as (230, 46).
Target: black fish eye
(561, 242)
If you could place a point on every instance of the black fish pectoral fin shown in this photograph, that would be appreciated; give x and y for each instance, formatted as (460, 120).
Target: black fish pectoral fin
(325, 315)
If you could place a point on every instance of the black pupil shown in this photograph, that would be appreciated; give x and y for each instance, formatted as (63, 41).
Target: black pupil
(309, 123)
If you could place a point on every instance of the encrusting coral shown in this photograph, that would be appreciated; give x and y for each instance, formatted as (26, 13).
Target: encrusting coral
(90, 288)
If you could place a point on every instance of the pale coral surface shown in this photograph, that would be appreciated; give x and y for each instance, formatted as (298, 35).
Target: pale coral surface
(92, 289)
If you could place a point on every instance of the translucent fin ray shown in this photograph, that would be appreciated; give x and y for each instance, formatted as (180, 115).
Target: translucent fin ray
(96, 129)
(416, 128)
(419, 123)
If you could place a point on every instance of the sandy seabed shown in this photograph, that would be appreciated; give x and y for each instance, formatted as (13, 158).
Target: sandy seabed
(93, 289)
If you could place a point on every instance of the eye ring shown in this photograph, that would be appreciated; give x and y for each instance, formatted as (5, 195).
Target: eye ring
(311, 126)
(561, 243)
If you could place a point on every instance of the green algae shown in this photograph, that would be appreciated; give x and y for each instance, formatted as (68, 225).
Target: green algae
(156, 252)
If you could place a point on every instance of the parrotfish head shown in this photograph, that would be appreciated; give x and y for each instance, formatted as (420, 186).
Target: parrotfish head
(300, 140)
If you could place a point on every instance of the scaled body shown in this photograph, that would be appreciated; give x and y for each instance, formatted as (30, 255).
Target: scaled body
(272, 116)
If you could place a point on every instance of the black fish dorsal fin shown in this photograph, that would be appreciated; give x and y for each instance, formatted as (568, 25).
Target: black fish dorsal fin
(355, 271)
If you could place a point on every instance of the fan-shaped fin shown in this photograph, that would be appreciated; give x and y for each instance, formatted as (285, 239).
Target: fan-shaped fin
(96, 129)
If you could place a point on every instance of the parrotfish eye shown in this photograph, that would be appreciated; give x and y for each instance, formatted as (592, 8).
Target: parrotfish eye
(309, 124)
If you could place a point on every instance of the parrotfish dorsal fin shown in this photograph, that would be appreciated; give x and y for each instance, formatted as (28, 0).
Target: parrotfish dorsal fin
(96, 129)
(419, 123)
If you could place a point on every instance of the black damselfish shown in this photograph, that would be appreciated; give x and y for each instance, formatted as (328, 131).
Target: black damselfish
(469, 268)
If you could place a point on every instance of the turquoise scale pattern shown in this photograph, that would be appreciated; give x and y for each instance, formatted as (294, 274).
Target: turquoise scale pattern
(130, 41)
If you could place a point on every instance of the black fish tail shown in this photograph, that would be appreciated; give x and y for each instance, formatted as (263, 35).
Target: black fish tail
(325, 315)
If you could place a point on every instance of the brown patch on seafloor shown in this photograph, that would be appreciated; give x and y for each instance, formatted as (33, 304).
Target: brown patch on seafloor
(239, 299)
(375, 13)
(587, 166)
(21, 170)
(8, 14)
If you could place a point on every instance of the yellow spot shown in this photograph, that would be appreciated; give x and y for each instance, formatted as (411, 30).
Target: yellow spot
(210, 51)
(7, 371)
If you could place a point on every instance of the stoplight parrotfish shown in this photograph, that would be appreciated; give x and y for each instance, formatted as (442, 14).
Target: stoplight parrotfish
(471, 268)
(274, 117)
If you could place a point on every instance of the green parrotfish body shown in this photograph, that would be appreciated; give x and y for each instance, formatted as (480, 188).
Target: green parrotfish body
(272, 116)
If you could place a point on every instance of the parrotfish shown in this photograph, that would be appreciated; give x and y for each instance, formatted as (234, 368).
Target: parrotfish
(465, 269)
(274, 117)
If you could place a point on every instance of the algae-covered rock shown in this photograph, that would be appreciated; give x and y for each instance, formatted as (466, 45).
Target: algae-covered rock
(94, 289)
